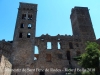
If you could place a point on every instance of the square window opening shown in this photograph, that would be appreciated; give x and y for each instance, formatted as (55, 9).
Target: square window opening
(49, 45)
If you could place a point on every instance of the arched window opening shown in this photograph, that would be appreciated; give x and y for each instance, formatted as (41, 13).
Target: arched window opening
(58, 38)
(78, 53)
(35, 58)
(29, 17)
(28, 35)
(23, 16)
(29, 26)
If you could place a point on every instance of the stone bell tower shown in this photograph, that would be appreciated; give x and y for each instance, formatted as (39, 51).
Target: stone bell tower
(24, 36)
(82, 24)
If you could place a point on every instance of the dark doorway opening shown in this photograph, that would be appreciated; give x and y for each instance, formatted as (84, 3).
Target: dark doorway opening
(68, 55)
(70, 45)
(42, 72)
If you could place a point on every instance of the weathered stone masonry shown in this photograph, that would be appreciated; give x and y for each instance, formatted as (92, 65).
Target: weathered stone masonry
(19, 53)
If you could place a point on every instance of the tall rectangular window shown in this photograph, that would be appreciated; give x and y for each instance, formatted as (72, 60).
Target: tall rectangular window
(70, 45)
(49, 45)
(68, 55)
(22, 25)
(20, 35)
(36, 51)
(58, 44)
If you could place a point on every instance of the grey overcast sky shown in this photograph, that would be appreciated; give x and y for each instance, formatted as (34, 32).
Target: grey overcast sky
(53, 16)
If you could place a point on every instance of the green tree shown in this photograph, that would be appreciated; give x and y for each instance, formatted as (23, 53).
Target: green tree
(90, 59)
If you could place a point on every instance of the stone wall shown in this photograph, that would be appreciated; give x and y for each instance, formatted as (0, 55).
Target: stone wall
(5, 66)
(6, 48)
(55, 57)
(58, 54)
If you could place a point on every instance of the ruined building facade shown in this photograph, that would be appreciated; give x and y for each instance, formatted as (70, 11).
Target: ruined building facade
(19, 53)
